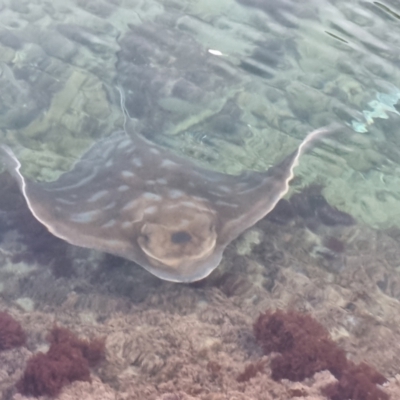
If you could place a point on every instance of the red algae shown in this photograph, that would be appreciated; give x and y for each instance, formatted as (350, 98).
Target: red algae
(251, 370)
(92, 351)
(305, 348)
(11, 332)
(67, 360)
(358, 382)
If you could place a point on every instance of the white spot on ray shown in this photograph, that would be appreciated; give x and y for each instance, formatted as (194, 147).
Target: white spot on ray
(127, 174)
(225, 189)
(154, 151)
(109, 224)
(109, 163)
(200, 199)
(188, 204)
(110, 206)
(64, 201)
(216, 194)
(137, 162)
(97, 196)
(162, 181)
(84, 217)
(175, 194)
(132, 204)
(123, 188)
(168, 163)
(170, 206)
(124, 144)
(151, 196)
(126, 225)
(151, 210)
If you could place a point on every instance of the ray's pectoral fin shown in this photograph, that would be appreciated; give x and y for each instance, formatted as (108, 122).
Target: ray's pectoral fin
(62, 206)
(260, 192)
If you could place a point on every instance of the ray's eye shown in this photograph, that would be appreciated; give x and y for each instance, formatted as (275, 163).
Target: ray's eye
(180, 237)
(146, 238)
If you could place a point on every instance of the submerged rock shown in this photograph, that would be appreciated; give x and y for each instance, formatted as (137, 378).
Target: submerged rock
(19, 104)
(171, 83)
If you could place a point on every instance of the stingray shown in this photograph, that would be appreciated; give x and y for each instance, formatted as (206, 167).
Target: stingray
(133, 198)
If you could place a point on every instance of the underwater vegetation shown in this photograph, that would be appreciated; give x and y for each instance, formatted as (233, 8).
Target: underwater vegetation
(250, 371)
(305, 347)
(68, 359)
(11, 332)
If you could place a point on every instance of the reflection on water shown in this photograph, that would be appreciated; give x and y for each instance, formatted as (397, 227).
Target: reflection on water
(234, 85)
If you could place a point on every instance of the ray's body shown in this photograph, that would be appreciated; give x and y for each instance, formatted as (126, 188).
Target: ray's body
(132, 198)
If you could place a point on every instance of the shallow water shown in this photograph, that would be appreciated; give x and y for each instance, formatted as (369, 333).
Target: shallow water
(234, 85)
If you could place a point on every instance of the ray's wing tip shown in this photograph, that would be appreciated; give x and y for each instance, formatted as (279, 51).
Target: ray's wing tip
(320, 133)
(8, 158)
(326, 130)
(10, 162)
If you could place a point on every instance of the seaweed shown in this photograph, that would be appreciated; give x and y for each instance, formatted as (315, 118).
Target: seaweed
(11, 332)
(67, 360)
(357, 382)
(305, 348)
(251, 370)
